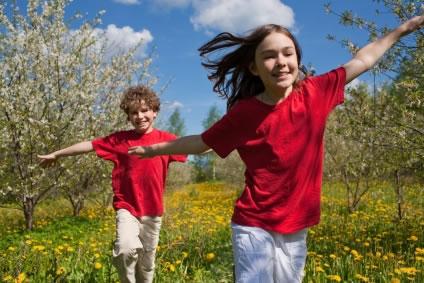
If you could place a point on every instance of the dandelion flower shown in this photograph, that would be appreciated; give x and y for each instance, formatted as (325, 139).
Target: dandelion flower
(413, 238)
(171, 267)
(97, 265)
(21, 278)
(60, 270)
(335, 278)
(210, 257)
(319, 269)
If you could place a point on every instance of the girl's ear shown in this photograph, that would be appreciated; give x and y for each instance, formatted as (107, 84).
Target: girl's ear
(252, 69)
(155, 114)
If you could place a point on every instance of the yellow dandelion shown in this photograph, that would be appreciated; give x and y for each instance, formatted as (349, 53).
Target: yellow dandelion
(354, 253)
(185, 254)
(21, 278)
(7, 278)
(12, 249)
(335, 278)
(333, 256)
(61, 270)
(97, 265)
(38, 248)
(395, 280)
(419, 251)
(319, 269)
(362, 278)
(210, 257)
(171, 267)
(413, 238)
(409, 270)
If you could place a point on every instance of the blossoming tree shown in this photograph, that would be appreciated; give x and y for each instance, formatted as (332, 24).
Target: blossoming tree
(57, 86)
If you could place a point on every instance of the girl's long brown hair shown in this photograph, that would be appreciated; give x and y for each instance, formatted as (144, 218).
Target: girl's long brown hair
(230, 73)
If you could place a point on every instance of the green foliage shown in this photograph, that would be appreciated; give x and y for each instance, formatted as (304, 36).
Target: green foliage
(378, 135)
(195, 240)
(58, 86)
(176, 123)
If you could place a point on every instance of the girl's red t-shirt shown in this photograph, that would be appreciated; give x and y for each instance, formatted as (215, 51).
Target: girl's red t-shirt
(138, 184)
(282, 148)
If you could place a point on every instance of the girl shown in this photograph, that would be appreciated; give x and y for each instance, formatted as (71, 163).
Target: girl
(276, 123)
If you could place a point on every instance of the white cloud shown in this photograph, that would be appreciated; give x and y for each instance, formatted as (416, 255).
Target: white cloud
(127, 2)
(122, 39)
(235, 16)
(172, 105)
(239, 15)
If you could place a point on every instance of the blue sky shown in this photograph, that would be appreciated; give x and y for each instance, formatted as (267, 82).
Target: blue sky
(176, 28)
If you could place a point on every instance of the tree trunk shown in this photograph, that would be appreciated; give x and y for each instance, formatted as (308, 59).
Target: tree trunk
(77, 206)
(399, 195)
(28, 205)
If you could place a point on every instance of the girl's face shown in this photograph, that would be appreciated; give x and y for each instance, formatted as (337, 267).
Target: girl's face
(141, 117)
(276, 63)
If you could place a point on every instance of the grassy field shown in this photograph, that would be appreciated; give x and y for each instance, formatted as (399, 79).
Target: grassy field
(195, 246)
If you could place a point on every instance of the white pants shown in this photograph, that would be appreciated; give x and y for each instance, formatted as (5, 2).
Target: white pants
(266, 256)
(135, 246)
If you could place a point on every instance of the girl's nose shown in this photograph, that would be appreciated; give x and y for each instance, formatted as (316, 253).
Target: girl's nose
(280, 61)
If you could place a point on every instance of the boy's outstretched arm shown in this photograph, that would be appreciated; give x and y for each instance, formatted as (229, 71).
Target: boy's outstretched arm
(184, 145)
(75, 149)
(368, 55)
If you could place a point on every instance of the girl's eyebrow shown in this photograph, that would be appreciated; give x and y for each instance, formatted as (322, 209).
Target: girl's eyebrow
(286, 48)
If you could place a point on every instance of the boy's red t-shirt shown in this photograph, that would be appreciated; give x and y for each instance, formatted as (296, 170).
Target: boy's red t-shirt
(282, 147)
(138, 184)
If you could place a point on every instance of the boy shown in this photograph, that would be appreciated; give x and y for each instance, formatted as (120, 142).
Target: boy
(138, 184)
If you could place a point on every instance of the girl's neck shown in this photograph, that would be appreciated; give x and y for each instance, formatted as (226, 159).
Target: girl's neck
(274, 97)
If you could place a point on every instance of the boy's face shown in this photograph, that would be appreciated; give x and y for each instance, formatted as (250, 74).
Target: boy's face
(141, 117)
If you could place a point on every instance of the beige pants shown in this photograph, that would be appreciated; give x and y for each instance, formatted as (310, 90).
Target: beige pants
(135, 246)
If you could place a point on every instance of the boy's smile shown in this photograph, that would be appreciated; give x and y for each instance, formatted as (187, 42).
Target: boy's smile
(141, 117)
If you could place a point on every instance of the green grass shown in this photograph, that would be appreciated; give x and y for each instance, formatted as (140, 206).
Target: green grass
(369, 245)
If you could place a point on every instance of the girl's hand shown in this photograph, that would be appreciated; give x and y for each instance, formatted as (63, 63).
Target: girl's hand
(414, 24)
(47, 160)
(141, 151)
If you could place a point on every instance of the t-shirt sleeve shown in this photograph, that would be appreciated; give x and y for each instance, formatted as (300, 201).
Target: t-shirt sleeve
(228, 133)
(329, 90)
(105, 147)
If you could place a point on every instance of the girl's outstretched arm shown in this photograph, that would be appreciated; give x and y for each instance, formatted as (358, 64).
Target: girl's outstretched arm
(184, 145)
(368, 55)
(75, 149)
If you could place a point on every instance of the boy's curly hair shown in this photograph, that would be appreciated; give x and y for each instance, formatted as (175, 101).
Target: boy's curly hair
(136, 94)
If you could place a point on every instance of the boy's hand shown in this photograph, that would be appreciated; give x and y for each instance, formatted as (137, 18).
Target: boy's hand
(47, 160)
(142, 151)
